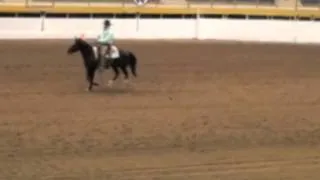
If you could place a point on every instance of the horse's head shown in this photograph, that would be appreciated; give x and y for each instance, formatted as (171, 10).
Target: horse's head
(74, 47)
(77, 45)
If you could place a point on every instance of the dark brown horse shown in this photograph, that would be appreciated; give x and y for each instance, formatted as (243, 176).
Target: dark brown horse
(92, 62)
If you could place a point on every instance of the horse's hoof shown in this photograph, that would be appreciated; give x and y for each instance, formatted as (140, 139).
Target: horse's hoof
(100, 70)
(110, 83)
(126, 81)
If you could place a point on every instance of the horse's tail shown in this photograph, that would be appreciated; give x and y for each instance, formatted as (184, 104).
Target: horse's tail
(133, 63)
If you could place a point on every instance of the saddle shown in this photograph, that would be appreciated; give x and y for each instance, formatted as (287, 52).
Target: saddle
(114, 52)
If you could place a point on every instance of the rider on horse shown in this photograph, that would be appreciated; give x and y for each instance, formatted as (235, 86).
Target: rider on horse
(105, 41)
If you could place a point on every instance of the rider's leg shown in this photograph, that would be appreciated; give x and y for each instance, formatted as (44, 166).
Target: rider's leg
(108, 60)
(103, 56)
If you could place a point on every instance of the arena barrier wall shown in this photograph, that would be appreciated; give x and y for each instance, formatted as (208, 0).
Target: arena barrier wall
(84, 8)
(218, 29)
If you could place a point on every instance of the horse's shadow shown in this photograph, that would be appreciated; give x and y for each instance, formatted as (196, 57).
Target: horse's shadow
(122, 90)
(115, 90)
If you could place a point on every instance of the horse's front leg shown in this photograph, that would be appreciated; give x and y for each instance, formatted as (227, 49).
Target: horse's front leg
(115, 77)
(90, 79)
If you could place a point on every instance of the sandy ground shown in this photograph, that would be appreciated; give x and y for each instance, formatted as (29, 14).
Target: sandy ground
(204, 110)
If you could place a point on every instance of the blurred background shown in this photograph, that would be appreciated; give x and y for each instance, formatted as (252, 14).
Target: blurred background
(290, 4)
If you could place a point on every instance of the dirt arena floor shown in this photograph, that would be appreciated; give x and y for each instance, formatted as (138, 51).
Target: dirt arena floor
(197, 111)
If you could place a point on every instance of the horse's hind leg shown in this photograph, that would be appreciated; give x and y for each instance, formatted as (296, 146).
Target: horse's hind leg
(125, 72)
(115, 77)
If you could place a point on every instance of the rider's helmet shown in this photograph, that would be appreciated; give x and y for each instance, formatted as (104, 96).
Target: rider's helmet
(106, 23)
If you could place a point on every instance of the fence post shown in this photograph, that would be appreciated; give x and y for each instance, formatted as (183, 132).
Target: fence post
(137, 22)
(197, 24)
(296, 4)
(43, 17)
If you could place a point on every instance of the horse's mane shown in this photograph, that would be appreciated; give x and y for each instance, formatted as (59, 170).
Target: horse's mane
(83, 42)
(87, 46)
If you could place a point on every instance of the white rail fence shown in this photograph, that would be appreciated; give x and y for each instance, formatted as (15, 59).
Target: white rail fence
(198, 28)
